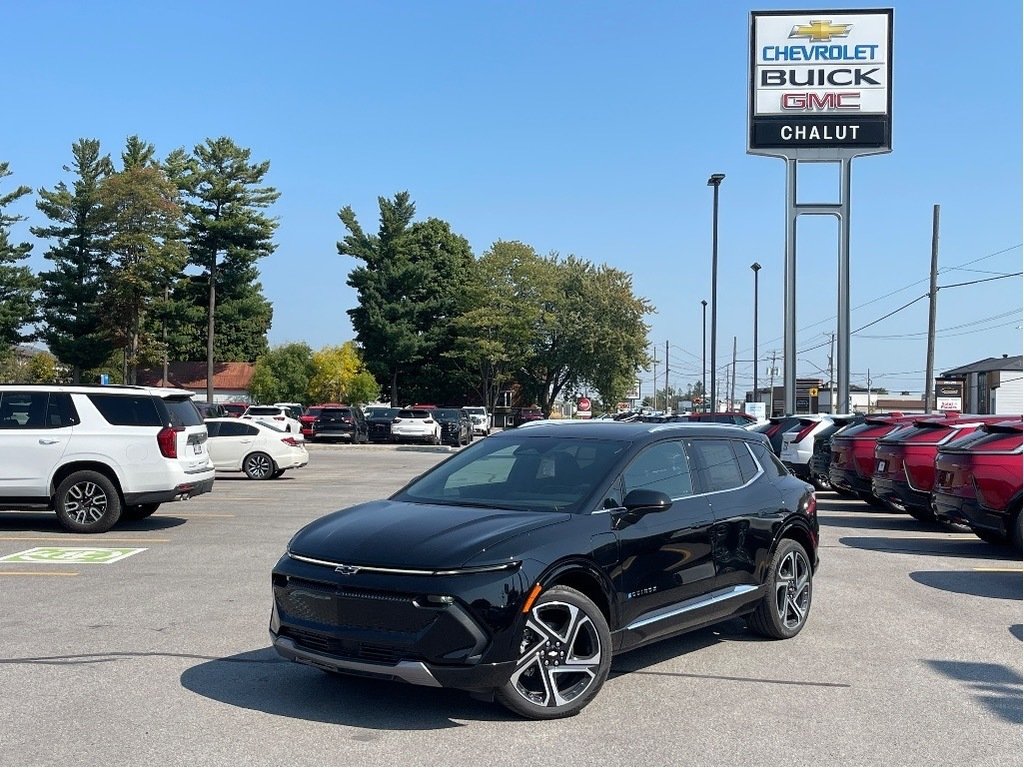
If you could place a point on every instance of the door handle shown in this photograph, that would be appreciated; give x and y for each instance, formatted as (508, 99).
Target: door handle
(48, 440)
(246, 442)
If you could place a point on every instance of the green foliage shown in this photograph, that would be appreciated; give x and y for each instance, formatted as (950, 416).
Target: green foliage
(146, 254)
(70, 292)
(17, 283)
(226, 232)
(282, 374)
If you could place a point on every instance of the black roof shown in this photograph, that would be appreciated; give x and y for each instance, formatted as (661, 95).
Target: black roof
(1005, 363)
(631, 430)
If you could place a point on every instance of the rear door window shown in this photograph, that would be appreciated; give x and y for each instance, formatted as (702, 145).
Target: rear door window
(129, 410)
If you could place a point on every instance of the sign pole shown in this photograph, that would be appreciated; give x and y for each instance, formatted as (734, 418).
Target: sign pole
(789, 317)
(843, 313)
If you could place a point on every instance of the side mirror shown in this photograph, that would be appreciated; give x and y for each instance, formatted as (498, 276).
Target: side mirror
(646, 500)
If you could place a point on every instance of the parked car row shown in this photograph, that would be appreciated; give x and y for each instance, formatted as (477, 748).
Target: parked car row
(948, 467)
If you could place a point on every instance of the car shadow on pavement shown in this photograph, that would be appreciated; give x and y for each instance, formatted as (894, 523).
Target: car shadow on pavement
(46, 522)
(886, 521)
(937, 545)
(261, 680)
(1003, 585)
(996, 687)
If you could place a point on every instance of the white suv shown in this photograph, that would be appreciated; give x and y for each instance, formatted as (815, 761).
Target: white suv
(276, 416)
(481, 419)
(98, 454)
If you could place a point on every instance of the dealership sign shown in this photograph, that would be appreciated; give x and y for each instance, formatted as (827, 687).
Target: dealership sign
(820, 80)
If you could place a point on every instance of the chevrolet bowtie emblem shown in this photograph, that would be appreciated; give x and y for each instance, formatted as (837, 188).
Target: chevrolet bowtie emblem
(820, 31)
(347, 570)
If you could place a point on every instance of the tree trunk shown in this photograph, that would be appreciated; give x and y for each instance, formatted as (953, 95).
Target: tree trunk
(394, 388)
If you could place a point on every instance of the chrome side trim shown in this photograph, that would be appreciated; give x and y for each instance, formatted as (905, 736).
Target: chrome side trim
(414, 672)
(693, 604)
(510, 566)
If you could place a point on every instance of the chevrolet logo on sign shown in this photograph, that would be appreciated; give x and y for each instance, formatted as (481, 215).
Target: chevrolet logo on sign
(820, 31)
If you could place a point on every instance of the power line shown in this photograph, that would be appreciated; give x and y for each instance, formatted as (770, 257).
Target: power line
(983, 280)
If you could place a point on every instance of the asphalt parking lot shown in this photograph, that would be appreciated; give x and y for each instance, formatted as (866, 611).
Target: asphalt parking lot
(912, 654)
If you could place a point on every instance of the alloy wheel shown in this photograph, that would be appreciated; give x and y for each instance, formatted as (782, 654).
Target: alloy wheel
(259, 466)
(793, 588)
(85, 502)
(559, 656)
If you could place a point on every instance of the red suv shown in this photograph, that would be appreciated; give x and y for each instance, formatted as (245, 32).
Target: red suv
(978, 481)
(905, 462)
(853, 452)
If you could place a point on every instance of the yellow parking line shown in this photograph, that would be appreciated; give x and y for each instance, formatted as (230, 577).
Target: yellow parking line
(999, 570)
(38, 573)
(90, 540)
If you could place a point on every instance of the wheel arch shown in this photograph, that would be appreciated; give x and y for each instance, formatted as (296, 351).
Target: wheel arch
(585, 577)
(802, 535)
(71, 467)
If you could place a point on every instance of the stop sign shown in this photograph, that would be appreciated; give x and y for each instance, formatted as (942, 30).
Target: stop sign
(583, 404)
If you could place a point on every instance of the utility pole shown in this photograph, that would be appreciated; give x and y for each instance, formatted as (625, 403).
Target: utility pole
(831, 378)
(655, 346)
(732, 389)
(666, 375)
(771, 387)
(929, 373)
(869, 391)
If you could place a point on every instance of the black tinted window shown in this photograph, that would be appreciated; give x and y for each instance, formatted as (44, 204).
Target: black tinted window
(748, 467)
(60, 411)
(130, 410)
(336, 413)
(768, 460)
(181, 412)
(23, 410)
(236, 429)
(661, 467)
(719, 465)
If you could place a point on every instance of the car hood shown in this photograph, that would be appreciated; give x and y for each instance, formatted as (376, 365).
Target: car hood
(402, 534)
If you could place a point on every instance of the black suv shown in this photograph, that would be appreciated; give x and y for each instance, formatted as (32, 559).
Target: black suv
(378, 422)
(520, 565)
(347, 423)
(456, 426)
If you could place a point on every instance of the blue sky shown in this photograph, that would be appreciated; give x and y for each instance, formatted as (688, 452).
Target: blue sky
(577, 127)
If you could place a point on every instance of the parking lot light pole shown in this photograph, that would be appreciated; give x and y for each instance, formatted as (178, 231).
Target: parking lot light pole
(757, 268)
(704, 358)
(714, 181)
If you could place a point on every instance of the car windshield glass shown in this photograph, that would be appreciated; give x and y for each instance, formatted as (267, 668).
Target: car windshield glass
(381, 413)
(335, 413)
(475, 411)
(519, 472)
(447, 414)
(257, 411)
(417, 414)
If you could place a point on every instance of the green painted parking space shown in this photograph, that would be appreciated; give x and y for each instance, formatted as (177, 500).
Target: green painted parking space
(75, 555)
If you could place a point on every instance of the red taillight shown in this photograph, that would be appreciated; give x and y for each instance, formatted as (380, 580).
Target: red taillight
(290, 441)
(812, 506)
(167, 440)
(772, 429)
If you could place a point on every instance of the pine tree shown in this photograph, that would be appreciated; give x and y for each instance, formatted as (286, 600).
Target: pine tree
(17, 283)
(226, 232)
(73, 326)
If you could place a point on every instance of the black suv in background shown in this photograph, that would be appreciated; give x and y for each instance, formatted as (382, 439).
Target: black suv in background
(519, 566)
(378, 422)
(456, 426)
(347, 423)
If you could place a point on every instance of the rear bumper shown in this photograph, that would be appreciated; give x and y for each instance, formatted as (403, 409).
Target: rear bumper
(967, 511)
(180, 493)
(848, 480)
(334, 434)
(899, 494)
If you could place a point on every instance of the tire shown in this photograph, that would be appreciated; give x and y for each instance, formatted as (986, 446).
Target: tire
(563, 626)
(1018, 534)
(922, 515)
(258, 466)
(783, 610)
(138, 511)
(87, 502)
(822, 483)
(277, 473)
(436, 439)
(992, 537)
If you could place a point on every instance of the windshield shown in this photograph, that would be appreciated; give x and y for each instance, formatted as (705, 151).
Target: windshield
(520, 472)
(381, 413)
(447, 414)
(475, 411)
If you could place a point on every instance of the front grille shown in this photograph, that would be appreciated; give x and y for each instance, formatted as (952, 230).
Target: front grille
(348, 649)
(328, 604)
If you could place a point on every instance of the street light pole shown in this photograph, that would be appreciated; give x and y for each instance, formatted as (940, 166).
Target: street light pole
(714, 181)
(704, 358)
(757, 268)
